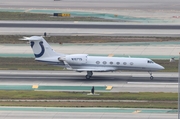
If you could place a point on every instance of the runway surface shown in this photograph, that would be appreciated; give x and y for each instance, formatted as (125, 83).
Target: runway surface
(121, 82)
(84, 113)
(88, 26)
(125, 81)
(88, 29)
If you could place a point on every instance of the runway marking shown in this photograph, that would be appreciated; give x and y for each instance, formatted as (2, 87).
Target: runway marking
(74, 109)
(158, 83)
(136, 111)
(109, 87)
(35, 86)
(110, 55)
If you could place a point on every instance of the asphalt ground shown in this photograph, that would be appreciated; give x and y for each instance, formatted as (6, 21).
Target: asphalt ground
(73, 81)
(88, 113)
(89, 32)
(89, 26)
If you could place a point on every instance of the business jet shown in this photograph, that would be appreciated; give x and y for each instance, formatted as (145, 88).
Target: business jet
(85, 63)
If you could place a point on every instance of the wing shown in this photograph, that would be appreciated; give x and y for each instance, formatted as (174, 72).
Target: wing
(102, 69)
(96, 70)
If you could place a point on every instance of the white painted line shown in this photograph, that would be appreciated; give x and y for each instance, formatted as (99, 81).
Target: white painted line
(157, 83)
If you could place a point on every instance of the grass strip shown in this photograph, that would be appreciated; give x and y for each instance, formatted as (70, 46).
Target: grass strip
(149, 96)
(162, 105)
(13, 39)
(45, 99)
(31, 64)
(25, 64)
(44, 17)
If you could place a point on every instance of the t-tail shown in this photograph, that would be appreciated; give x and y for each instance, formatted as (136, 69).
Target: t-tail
(42, 50)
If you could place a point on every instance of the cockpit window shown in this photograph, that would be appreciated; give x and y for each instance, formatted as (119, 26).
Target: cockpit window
(150, 61)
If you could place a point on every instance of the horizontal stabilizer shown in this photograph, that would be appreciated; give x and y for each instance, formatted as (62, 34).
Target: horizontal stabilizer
(33, 38)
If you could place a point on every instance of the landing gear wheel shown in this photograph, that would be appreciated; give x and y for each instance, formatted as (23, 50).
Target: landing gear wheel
(88, 77)
(151, 77)
(89, 74)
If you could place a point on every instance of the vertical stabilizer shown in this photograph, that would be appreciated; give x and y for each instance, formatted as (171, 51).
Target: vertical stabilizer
(40, 47)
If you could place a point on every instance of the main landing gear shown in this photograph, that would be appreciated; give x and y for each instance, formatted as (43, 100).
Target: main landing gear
(151, 77)
(89, 74)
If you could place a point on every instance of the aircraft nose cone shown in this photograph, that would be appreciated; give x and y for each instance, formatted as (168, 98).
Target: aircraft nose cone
(160, 67)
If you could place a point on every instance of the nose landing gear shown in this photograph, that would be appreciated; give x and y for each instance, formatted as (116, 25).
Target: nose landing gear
(151, 77)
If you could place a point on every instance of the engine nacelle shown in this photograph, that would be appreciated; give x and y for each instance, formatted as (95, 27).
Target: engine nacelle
(75, 58)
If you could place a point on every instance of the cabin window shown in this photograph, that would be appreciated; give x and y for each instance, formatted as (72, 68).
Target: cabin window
(97, 62)
(124, 63)
(104, 62)
(131, 63)
(111, 62)
(118, 63)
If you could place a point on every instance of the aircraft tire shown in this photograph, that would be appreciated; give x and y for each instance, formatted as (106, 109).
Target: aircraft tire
(88, 77)
(151, 77)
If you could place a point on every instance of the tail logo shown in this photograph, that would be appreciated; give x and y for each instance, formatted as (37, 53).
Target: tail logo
(42, 49)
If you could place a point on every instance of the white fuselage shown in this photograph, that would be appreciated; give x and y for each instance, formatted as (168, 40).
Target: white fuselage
(117, 63)
(97, 63)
